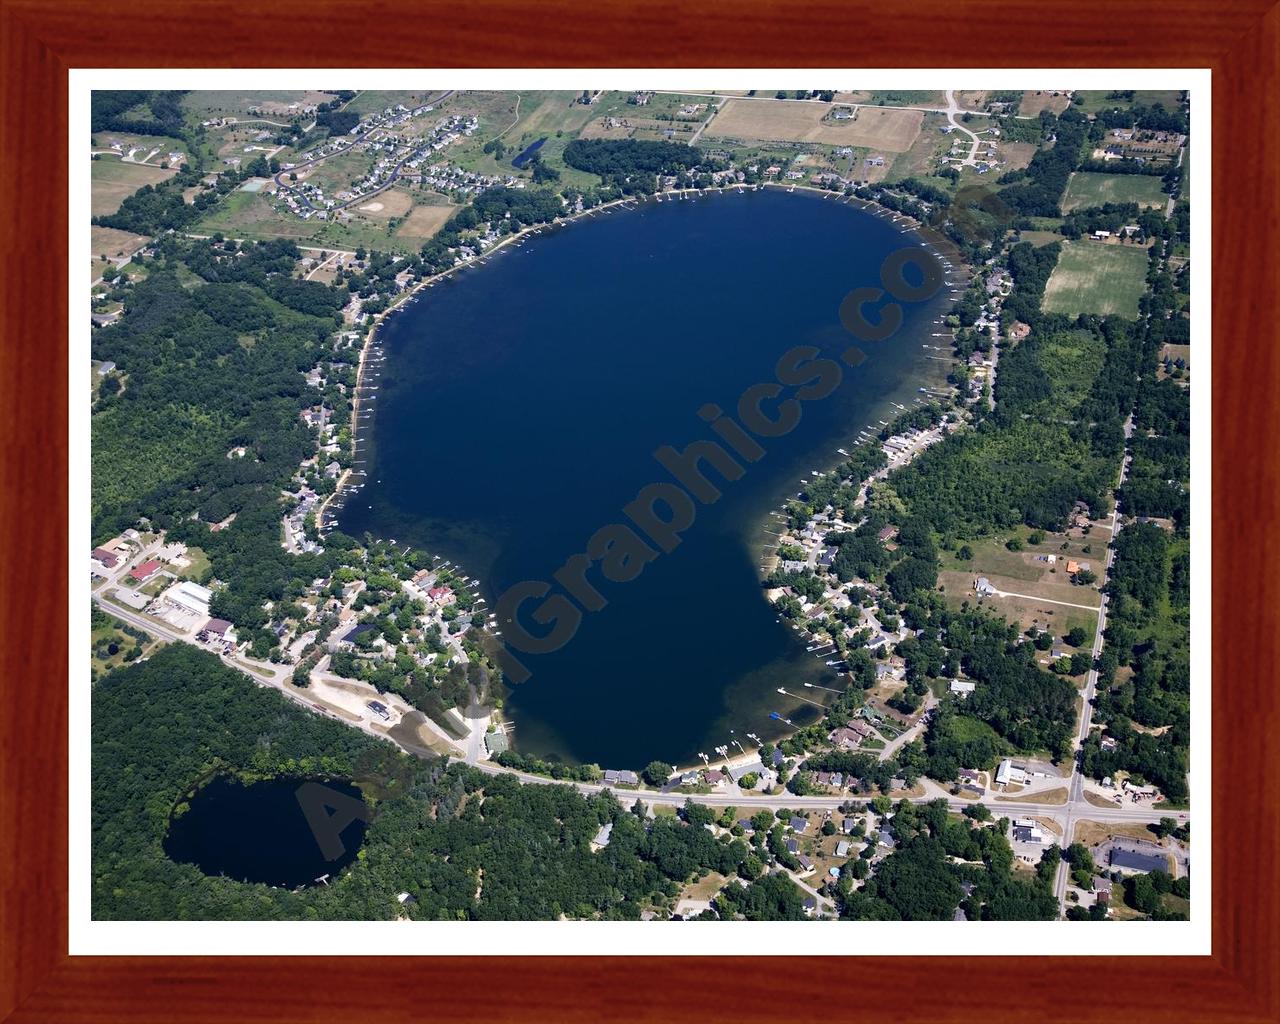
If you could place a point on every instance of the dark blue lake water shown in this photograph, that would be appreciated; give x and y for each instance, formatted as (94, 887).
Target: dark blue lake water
(260, 832)
(521, 403)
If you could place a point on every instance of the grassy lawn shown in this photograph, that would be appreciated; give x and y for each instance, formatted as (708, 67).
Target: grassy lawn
(1095, 100)
(199, 564)
(113, 181)
(1087, 188)
(1094, 277)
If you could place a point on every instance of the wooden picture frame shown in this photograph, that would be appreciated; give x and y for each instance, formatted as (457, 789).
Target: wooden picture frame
(40, 40)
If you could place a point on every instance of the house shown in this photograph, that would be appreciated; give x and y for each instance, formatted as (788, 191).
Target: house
(842, 848)
(887, 840)
(1009, 773)
(1101, 235)
(1073, 567)
(793, 846)
(805, 862)
(108, 558)
(379, 709)
(1027, 830)
(983, 588)
(888, 533)
(215, 629)
(964, 687)
(848, 825)
(406, 898)
(715, 777)
(625, 778)
(1019, 330)
(798, 824)
(106, 367)
(810, 905)
(601, 839)
(1125, 859)
(1101, 889)
(441, 596)
(496, 742)
(145, 570)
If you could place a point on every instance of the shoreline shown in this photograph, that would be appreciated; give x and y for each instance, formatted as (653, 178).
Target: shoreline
(344, 479)
(913, 228)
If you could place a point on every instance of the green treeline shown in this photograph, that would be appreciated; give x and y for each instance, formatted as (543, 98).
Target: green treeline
(440, 834)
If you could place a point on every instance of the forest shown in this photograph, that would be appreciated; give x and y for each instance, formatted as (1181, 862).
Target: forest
(631, 165)
(441, 834)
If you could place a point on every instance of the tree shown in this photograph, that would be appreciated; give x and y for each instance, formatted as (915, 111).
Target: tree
(656, 773)
(1076, 637)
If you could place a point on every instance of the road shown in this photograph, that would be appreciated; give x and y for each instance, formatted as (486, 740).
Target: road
(953, 108)
(1075, 789)
(394, 177)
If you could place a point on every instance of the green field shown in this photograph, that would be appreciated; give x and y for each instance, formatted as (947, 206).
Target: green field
(1094, 277)
(1096, 99)
(113, 181)
(1087, 189)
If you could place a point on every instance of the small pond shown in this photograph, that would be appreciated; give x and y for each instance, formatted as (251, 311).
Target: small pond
(286, 832)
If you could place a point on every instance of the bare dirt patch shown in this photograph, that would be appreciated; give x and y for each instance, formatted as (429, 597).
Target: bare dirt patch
(424, 222)
(1053, 796)
(889, 128)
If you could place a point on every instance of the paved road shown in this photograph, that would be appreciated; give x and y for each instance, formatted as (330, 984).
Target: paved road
(1075, 792)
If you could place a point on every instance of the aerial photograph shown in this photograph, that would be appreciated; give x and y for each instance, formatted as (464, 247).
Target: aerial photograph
(639, 505)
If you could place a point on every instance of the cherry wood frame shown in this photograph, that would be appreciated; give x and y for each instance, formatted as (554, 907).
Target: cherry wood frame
(40, 40)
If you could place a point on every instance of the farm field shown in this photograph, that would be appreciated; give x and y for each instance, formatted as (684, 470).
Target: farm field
(922, 156)
(278, 104)
(374, 101)
(111, 243)
(887, 128)
(1093, 277)
(114, 181)
(895, 97)
(1086, 188)
(423, 222)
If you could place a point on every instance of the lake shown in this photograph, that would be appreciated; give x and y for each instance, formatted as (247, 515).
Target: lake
(518, 410)
(259, 831)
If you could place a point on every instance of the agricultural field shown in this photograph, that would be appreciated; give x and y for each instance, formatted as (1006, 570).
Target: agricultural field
(1039, 238)
(750, 120)
(423, 222)
(1086, 188)
(1017, 155)
(113, 181)
(278, 104)
(106, 244)
(1094, 277)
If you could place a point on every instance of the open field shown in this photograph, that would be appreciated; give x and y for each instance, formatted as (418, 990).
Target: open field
(277, 104)
(922, 157)
(887, 128)
(393, 202)
(1052, 796)
(1093, 277)
(1095, 100)
(895, 97)
(1039, 238)
(374, 101)
(1034, 101)
(114, 181)
(110, 243)
(1091, 833)
(1086, 188)
(1017, 155)
(424, 222)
